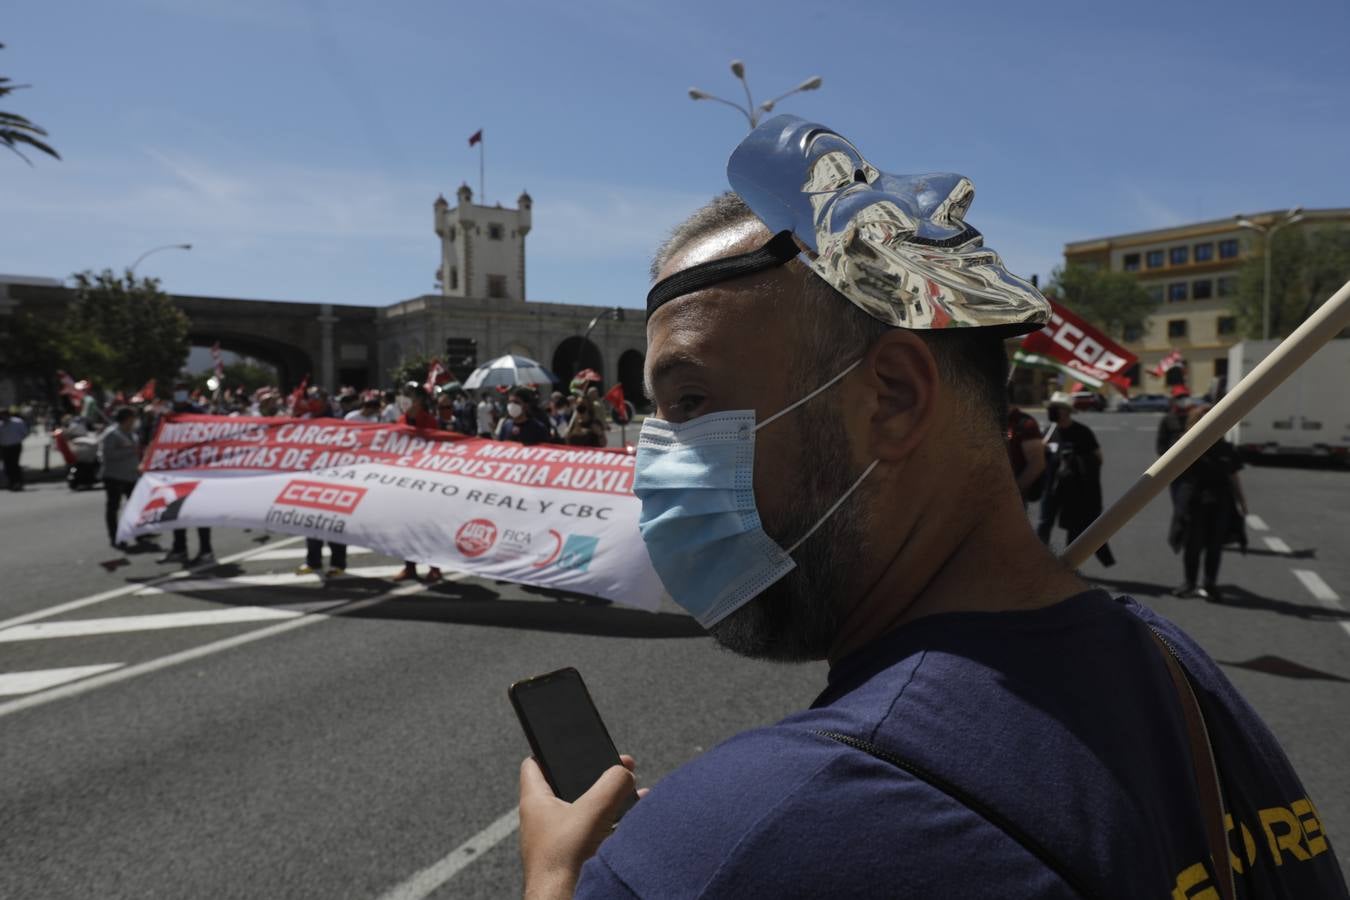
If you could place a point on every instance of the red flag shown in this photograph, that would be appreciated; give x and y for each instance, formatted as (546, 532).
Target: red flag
(435, 375)
(614, 397)
(1170, 361)
(1072, 346)
(476, 137)
(298, 397)
(70, 389)
(145, 394)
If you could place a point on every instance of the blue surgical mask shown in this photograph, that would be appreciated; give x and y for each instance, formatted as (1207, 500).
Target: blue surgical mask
(699, 521)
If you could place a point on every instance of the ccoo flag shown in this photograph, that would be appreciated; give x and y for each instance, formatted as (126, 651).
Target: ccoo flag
(1070, 345)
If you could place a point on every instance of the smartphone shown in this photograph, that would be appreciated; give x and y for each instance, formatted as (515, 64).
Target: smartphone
(566, 734)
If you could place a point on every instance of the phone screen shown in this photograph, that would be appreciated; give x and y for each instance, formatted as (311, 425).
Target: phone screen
(569, 740)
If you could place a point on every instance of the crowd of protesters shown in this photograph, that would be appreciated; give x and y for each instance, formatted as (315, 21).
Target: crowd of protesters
(105, 441)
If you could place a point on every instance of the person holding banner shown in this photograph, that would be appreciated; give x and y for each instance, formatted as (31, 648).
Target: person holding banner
(119, 452)
(178, 551)
(825, 477)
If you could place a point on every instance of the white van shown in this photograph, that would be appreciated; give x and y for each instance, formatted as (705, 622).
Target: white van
(1307, 415)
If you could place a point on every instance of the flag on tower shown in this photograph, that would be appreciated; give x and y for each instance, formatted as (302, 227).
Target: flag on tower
(476, 137)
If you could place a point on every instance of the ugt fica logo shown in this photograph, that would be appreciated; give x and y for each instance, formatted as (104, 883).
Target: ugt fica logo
(476, 537)
(165, 503)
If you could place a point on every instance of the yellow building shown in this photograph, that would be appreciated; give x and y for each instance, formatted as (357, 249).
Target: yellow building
(1191, 271)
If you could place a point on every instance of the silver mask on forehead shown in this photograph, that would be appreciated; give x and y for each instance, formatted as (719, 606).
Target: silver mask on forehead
(897, 246)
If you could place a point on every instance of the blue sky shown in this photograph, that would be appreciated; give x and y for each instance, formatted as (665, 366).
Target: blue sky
(299, 145)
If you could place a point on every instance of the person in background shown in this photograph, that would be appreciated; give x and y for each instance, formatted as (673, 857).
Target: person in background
(445, 412)
(1073, 489)
(585, 430)
(486, 414)
(314, 558)
(119, 452)
(559, 413)
(464, 414)
(523, 423)
(13, 430)
(368, 411)
(419, 414)
(178, 552)
(1209, 510)
(1026, 452)
(390, 413)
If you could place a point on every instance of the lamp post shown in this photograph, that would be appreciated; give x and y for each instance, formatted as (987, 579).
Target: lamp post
(131, 270)
(1268, 233)
(751, 112)
(616, 312)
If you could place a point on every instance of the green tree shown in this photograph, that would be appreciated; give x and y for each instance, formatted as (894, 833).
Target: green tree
(1113, 301)
(129, 330)
(16, 130)
(1307, 265)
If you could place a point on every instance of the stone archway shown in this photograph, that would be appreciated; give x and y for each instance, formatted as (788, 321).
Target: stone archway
(573, 355)
(631, 364)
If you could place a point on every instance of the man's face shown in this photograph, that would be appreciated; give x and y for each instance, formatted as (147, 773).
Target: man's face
(739, 347)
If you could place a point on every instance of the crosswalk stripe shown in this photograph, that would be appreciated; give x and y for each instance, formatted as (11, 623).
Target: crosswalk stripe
(1256, 523)
(12, 683)
(1278, 545)
(131, 588)
(37, 631)
(273, 579)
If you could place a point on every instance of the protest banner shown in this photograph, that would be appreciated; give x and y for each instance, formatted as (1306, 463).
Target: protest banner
(1070, 345)
(554, 516)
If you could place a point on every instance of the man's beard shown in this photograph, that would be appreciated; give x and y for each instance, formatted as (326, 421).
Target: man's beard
(797, 617)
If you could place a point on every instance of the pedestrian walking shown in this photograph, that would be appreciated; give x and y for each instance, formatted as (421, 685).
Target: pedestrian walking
(119, 454)
(1073, 490)
(314, 558)
(13, 430)
(1210, 512)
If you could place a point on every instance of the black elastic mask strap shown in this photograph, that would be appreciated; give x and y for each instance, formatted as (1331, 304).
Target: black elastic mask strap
(780, 249)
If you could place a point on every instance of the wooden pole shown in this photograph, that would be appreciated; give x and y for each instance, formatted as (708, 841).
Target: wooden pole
(1323, 325)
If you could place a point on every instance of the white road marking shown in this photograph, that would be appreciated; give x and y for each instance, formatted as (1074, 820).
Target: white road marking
(231, 615)
(1277, 545)
(12, 683)
(272, 579)
(299, 553)
(1256, 523)
(132, 588)
(1322, 591)
(89, 684)
(438, 873)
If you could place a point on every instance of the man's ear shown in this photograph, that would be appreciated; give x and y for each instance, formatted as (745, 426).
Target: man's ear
(900, 371)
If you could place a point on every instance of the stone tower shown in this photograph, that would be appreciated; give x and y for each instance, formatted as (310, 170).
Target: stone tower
(482, 247)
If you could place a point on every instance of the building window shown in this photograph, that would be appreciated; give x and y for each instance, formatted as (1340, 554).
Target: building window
(496, 286)
(1221, 367)
(1176, 328)
(1176, 292)
(1227, 286)
(1155, 293)
(1155, 259)
(1202, 289)
(1227, 325)
(496, 232)
(1133, 333)
(1228, 249)
(1204, 252)
(1131, 262)
(1180, 255)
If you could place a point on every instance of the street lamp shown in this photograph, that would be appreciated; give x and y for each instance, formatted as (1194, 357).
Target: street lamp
(131, 270)
(1268, 234)
(751, 112)
(616, 312)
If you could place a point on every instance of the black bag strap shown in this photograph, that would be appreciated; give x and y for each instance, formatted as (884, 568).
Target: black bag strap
(974, 804)
(1207, 783)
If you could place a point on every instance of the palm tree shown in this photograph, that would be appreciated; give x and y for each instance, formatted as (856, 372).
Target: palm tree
(15, 129)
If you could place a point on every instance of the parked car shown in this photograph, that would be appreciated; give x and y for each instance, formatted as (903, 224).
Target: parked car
(1145, 403)
(1089, 400)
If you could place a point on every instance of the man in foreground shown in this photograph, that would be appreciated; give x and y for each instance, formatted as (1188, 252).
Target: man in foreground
(992, 726)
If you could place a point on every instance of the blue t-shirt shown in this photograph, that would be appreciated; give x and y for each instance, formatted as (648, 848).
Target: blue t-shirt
(1061, 720)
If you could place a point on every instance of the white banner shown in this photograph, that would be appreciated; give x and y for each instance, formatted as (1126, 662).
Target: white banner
(558, 517)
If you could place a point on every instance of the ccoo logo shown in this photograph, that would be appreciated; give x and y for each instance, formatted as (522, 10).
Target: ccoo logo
(475, 537)
(318, 495)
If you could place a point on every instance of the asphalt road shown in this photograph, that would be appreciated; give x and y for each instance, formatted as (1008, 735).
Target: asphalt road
(353, 739)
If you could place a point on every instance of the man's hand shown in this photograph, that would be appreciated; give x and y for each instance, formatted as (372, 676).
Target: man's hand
(557, 837)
